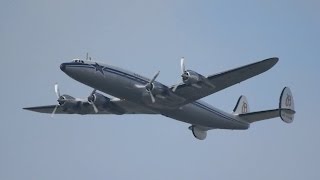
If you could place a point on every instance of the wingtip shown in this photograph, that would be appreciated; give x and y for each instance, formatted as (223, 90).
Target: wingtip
(27, 108)
(274, 59)
(271, 61)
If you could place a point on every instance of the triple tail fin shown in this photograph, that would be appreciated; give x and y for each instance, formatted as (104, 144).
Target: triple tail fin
(286, 105)
(285, 111)
(242, 106)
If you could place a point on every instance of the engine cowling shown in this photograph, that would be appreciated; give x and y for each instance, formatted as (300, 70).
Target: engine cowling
(155, 89)
(69, 104)
(66, 101)
(191, 77)
(99, 100)
(104, 103)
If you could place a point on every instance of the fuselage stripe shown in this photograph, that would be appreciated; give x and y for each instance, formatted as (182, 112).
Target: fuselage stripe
(114, 71)
(198, 104)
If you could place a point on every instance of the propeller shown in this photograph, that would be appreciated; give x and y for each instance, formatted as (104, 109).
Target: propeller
(184, 73)
(182, 66)
(149, 86)
(91, 100)
(57, 92)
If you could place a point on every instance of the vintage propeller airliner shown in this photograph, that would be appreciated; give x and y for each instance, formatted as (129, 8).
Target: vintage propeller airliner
(136, 94)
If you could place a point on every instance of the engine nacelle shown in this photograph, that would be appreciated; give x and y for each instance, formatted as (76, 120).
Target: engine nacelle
(156, 88)
(67, 101)
(99, 100)
(104, 103)
(191, 77)
(69, 104)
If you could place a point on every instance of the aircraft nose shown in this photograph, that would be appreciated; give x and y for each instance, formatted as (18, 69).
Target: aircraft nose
(63, 66)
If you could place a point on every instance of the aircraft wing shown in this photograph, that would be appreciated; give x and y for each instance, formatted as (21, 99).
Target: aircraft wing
(223, 80)
(115, 107)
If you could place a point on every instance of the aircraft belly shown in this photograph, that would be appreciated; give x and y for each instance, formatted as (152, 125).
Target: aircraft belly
(195, 115)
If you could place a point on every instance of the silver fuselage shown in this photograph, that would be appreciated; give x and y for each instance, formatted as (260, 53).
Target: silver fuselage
(123, 84)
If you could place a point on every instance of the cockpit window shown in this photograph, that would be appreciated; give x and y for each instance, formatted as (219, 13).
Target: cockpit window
(78, 61)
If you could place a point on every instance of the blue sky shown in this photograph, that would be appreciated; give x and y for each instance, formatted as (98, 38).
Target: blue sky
(147, 36)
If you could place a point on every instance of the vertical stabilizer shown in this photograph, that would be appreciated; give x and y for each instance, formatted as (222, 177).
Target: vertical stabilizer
(242, 106)
(286, 105)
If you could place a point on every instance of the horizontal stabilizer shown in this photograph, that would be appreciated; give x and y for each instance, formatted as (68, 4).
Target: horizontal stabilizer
(286, 110)
(263, 115)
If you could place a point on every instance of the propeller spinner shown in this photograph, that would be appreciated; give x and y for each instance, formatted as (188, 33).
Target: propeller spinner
(149, 86)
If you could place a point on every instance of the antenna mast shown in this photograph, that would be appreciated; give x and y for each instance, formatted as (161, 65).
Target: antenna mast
(87, 57)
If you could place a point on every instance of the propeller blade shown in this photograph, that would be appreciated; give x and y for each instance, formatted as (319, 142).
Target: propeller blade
(149, 86)
(91, 96)
(95, 108)
(54, 110)
(152, 97)
(140, 86)
(94, 91)
(56, 90)
(183, 67)
(91, 101)
(154, 77)
(175, 87)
